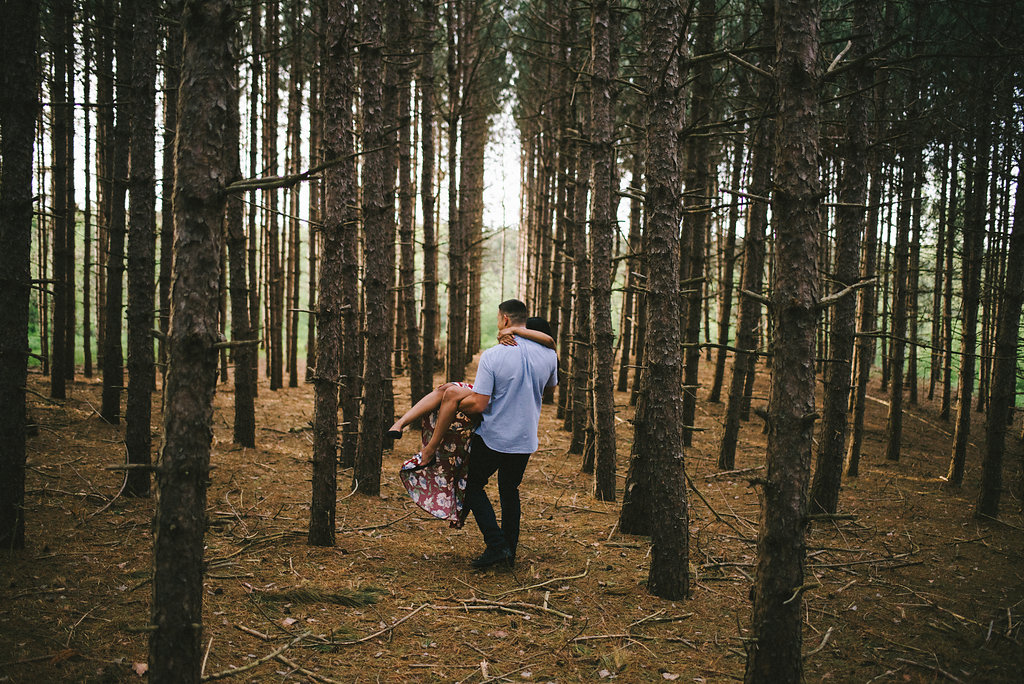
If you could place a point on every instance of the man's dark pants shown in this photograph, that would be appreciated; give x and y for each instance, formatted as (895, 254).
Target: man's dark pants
(483, 462)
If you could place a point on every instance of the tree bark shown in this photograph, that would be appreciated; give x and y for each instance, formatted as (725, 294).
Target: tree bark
(974, 253)
(202, 172)
(429, 304)
(656, 484)
(141, 251)
(728, 259)
(340, 189)
(19, 106)
(1004, 367)
(172, 76)
(602, 231)
(774, 654)
(59, 146)
(113, 354)
(828, 472)
(378, 249)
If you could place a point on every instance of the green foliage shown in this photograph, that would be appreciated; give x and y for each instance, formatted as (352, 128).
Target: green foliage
(363, 596)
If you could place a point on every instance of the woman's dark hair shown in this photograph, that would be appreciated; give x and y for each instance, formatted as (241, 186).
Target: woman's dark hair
(539, 324)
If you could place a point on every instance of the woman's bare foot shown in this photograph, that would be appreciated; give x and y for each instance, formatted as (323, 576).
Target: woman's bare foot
(427, 456)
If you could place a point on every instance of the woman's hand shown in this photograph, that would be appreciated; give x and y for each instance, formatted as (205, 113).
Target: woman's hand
(506, 336)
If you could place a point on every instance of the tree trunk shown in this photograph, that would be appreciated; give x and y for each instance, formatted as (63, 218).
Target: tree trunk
(71, 215)
(774, 654)
(749, 315)
(378, 249)
(104, 170)
(947, 306)
(295, 97)
(974, 254)
(202, 171)
(113, 369)
(941, 230)
(274, 246)
(728, 259)
(602, 231)
(581, 354)
(407, 209)
(255, 310)
(19, 106)
(1004, 368)
(242, 334)
(629, 294)
(658, 503)
(141, 251)
(87, 50)
(700, 213)
(913, 280)
(456, 343)
(429, 304)
(172, 76)
(828, 472)
(340, 189)
(59, 145)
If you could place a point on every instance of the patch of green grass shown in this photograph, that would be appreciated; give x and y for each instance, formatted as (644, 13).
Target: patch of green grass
(363, 596)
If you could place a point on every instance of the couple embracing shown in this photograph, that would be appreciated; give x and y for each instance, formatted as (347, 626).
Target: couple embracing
(448, 476)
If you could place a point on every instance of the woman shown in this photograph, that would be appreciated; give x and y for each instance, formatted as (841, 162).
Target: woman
(438, 484)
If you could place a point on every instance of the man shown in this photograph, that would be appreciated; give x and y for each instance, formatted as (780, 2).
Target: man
(510, 382)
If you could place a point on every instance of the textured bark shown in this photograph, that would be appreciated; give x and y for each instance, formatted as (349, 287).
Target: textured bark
(974, 253)
(1004, 368)
(71, 215)
(296, 81)
(429, 304)
(172, 75)
(255, 310)
(141, 251)
(602, 231)
(202, 171)
(828, 472)
(774, 654)
(340, 189)
(456, 341)
(243, 356)
(913, 281)
(901, 283)
(749, 314)
(113, 354)
(629, 310)
(656, 479)
(19, 105)
(59, 177)
(581, 407)
(87, 210)
(935, 367)
(471, 216)
(407, 208)
(698, 212)
(274, 247)
(378, 249)
(728, 260)
(566, 353)
(947, 286)
(316, 196)
(104, 167)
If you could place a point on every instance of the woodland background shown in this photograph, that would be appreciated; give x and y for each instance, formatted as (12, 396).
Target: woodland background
(210, 198)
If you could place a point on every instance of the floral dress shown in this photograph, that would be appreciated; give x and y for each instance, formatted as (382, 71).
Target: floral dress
(440, 487)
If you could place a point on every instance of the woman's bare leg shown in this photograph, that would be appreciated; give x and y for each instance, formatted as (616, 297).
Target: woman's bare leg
(425, 406)
(445, 417)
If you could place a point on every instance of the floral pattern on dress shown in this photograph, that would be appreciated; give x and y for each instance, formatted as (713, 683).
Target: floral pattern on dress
(440, 488)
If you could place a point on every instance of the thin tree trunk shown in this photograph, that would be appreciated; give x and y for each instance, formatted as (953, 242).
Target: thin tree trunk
(202, 170)
(59, 146)
(295, 97)
(104, 168)
(429, 305)
(19, 106)
(728, 259)
(71, 215)
(581, 318)
(947, 307)
(628, 296)
(602, 230)
(774, 653)
(274, 244)
(974, 254)
(255, 321)
(941, 230)
(242, 334)
(141, 251)
(1004, 369)
(113, 369)
(914, 279)
(828, 472)
(172, 75)
(456, 258)
(87, 210)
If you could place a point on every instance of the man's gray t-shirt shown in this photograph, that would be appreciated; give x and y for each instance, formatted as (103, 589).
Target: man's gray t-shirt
(515, 378)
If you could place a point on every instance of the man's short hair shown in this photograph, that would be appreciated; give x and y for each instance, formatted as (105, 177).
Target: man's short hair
(514, 309)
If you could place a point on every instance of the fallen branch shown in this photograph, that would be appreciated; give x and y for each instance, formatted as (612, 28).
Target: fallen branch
(238, 670)
(819, 647)
(375, 634)
(308, 673)
(546, 583)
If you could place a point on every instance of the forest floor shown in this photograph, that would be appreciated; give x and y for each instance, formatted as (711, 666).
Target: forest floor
(912, 587)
